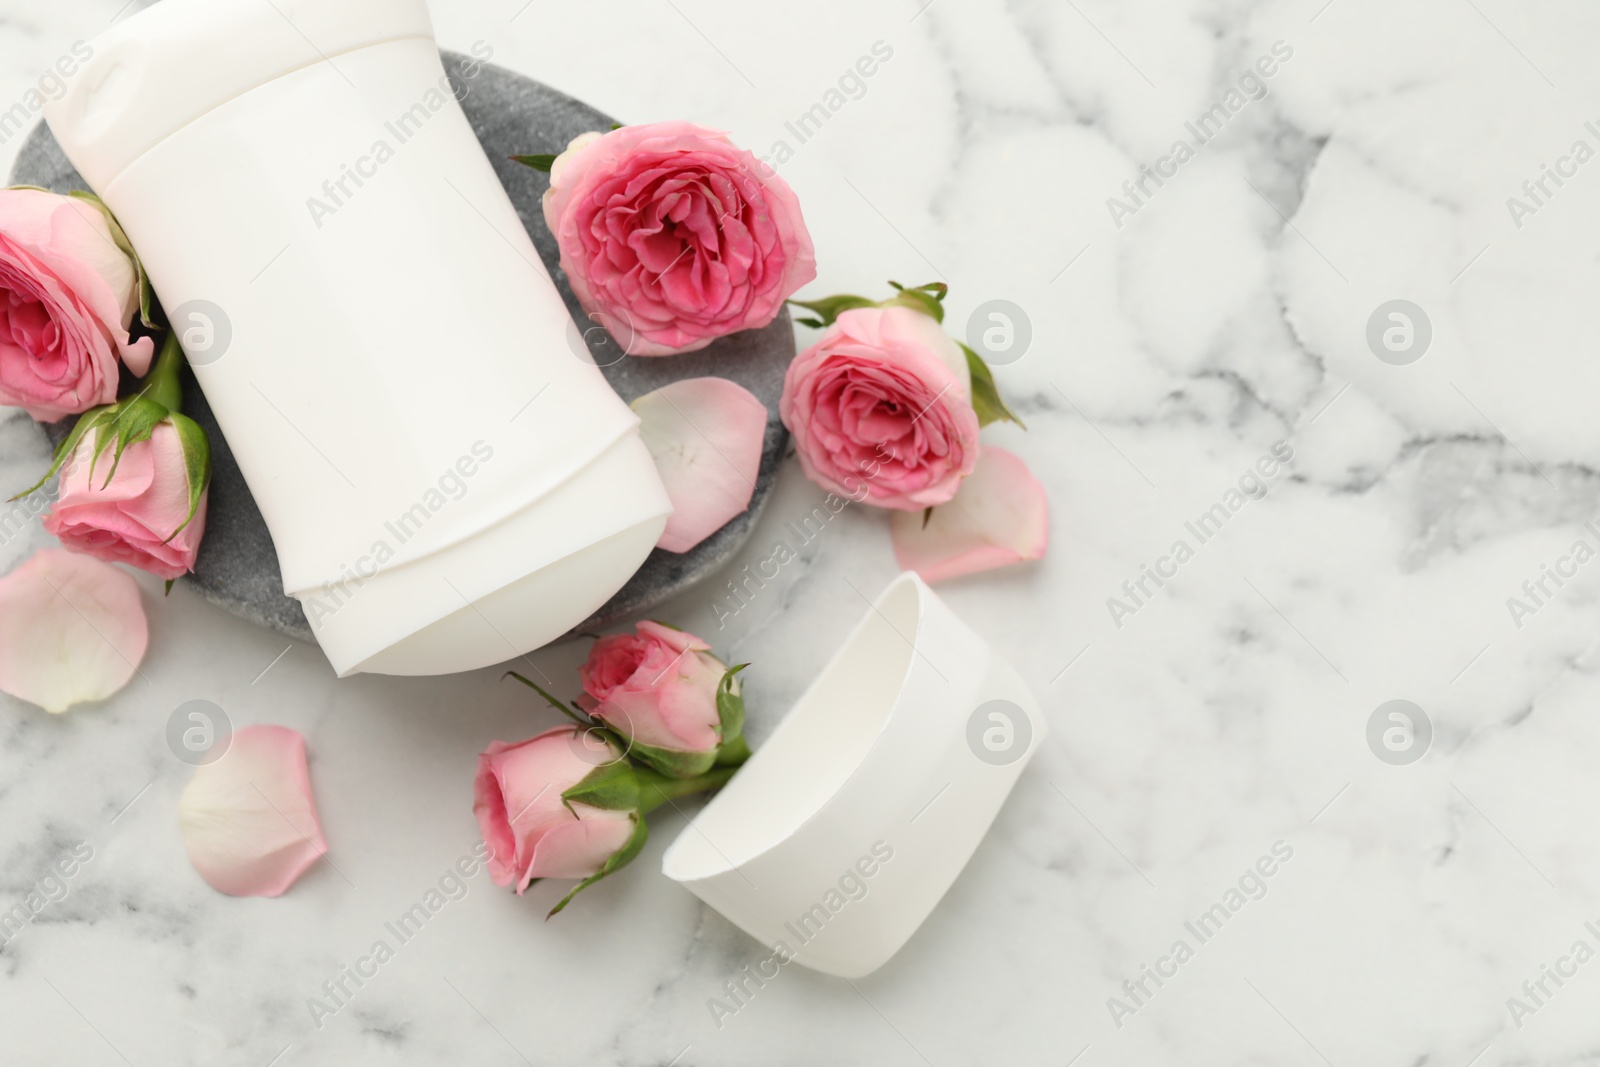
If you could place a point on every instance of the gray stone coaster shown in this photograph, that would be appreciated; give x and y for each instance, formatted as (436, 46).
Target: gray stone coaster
(238, 567)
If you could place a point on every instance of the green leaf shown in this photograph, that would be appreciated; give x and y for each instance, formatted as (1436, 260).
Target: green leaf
(829, 308)
(146, 292)
(196, 464)
(619, 859)
(985, 394)
(571, 713)
(616, 125)
(542, 162)
(672, 763)
(928, 299)
(611, 786)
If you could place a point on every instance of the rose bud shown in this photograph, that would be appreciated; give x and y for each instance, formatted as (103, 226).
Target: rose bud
(679, 707)
(69, 288)
(147, 514)
(135, 479)
(567, 804)
(563, 804)
(672, 236)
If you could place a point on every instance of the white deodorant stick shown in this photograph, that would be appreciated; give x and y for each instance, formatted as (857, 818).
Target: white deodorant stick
(448, 484)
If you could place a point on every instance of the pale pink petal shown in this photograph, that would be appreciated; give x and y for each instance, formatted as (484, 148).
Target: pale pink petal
(706, 436)
(580, 846)
(999, 515)
(71, 630)
(677, 640)
(249, 821)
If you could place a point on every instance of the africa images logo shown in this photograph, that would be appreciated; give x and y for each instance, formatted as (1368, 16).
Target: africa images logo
(1207, 127)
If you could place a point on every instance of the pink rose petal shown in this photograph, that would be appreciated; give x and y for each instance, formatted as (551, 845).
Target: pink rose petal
(71, 630)
(579, 846)
(706, 436)
(249, 821)
(1000, 515)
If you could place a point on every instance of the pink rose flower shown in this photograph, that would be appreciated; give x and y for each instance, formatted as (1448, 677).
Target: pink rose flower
(67, 297)
(881, 409)
(533, 831)
(132, 518)
(658, 688)
(672, 236)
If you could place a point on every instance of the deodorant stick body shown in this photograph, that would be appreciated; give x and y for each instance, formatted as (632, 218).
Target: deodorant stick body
(447, 483)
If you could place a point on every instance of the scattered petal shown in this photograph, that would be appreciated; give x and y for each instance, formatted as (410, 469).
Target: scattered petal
(706, 436)
(999, 515)
(249, 821)
(71, 630)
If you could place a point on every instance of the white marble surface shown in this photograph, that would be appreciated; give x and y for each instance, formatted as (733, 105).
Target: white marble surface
(1229, 713)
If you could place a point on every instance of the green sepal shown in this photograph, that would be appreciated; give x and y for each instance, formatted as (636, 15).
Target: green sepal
(87, 421)
(196, 464)
(616, 126)
(124, 422)
(671, 763)
(928, 299)
(611, 786)
(168, 590)
(985, 394)
(829, 308)
(541, 162)
(730, 705)
(569, 712)
(927, 517)
(619, 859)
(133, 419)
(146, 292)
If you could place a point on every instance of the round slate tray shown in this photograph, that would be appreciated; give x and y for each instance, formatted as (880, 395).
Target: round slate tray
(238, 567)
